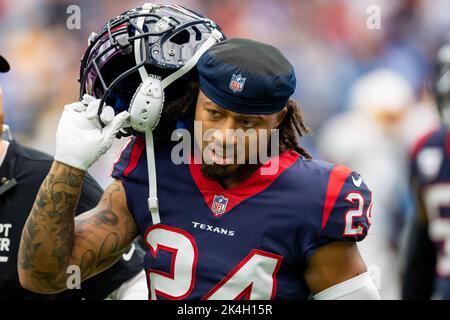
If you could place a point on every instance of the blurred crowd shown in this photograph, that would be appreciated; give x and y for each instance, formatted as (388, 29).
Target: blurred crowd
(362, 90)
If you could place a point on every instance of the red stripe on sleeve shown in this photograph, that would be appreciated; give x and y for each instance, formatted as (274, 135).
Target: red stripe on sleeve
(136, 153)
(338, 176)
(418, 145)
(119, 157)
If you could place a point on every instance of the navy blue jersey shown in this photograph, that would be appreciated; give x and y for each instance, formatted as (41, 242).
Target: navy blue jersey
(430, 168)
(252, 241)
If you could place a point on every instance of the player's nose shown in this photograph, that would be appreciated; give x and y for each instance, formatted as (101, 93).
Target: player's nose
(224, 137)
(225, 131)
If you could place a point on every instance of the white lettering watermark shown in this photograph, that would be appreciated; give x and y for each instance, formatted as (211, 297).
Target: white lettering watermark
(74, 280)
(236, 146)
(373, 21)
(73, 21)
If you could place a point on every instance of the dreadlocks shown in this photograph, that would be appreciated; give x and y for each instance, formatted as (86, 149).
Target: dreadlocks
(292, 128)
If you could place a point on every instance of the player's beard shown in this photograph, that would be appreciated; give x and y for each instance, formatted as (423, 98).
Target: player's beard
(221, 173)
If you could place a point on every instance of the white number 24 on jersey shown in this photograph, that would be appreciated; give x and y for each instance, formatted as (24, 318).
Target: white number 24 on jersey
(253, 278)
(357, 198)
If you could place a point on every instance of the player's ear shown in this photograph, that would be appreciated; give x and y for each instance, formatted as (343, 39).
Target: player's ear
(280, 116)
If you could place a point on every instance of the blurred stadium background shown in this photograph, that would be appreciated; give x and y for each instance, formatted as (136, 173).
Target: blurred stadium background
(363, 92)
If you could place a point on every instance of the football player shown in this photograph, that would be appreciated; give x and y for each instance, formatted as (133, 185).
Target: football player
(427, 273)
(284, 228)
(22, 171)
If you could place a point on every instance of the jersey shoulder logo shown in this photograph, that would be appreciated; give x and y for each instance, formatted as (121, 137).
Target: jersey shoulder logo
(357, 182)
(429, 162)
(129, 254)
(219, 205)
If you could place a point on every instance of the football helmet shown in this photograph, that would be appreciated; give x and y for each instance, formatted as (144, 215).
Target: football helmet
(136, 55)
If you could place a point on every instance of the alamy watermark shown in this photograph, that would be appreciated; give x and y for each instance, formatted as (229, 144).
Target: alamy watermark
(235, 146)
(74, 279)
(373, 21)
(73, 21)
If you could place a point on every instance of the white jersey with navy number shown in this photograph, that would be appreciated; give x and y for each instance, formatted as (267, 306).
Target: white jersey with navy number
(252, 241)
(431, 169)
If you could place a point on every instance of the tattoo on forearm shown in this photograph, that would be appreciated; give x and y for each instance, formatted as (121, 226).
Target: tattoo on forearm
(30, 246)
(111, 242)
(51, 233)
(51, 218)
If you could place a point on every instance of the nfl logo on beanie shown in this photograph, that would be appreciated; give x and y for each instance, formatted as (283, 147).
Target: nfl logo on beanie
(237, 83)
(246, 76)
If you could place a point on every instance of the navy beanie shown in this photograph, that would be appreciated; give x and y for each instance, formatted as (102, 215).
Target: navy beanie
(246, 76)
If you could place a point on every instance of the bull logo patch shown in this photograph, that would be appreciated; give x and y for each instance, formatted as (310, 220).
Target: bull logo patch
(219, 205)
(237, 83)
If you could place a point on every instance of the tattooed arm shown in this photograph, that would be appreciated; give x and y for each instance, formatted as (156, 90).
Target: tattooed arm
(53, 239)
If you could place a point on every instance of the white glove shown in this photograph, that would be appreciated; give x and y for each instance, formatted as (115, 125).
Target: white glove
(80, 139)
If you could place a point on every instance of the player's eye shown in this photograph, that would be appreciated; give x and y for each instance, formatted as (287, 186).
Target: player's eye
(248, 123)
(214, 114)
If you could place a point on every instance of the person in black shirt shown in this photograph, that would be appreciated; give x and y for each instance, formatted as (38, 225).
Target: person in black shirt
(22, 171)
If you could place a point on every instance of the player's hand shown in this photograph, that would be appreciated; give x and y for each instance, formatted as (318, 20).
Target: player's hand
(80, 139)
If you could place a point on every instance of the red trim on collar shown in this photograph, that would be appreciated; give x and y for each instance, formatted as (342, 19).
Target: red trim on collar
(255, 184)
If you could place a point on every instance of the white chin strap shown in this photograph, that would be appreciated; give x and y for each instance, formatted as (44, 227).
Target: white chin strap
(147, 104)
